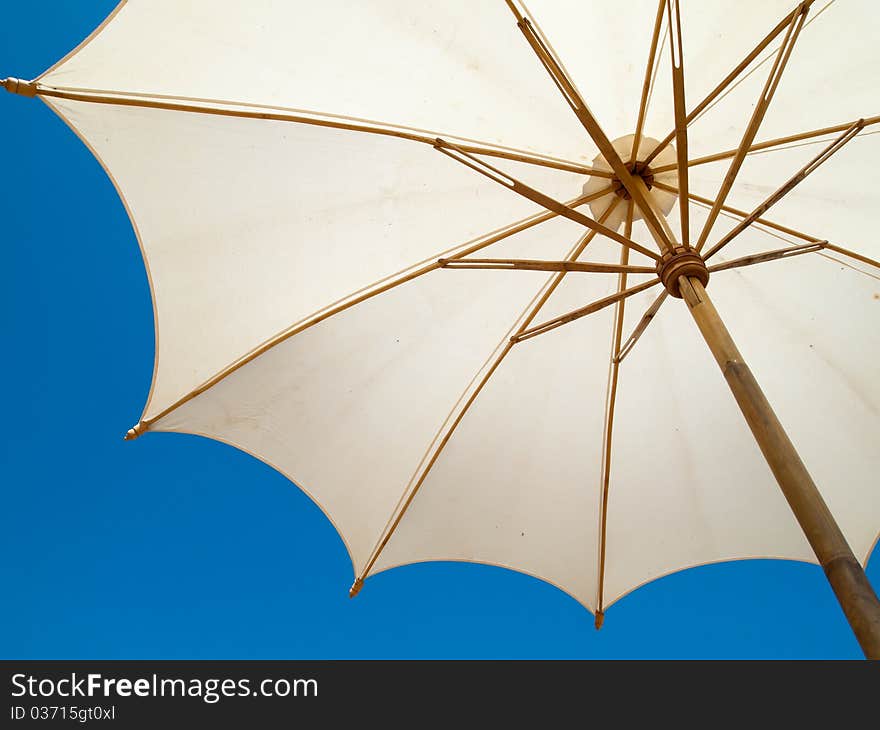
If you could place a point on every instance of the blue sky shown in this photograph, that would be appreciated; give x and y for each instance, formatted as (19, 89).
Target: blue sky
(178, 547)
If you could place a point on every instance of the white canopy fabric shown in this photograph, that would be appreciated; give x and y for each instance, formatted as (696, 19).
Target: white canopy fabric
(301, 317)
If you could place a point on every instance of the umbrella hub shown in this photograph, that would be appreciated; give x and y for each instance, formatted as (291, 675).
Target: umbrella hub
(681, 261)
(637, 169)
(663, 199)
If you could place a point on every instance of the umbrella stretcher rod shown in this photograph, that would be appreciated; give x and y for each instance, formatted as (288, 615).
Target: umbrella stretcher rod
(844, 573)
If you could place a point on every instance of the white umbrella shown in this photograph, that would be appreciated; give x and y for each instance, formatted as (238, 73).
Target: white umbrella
(395, 255)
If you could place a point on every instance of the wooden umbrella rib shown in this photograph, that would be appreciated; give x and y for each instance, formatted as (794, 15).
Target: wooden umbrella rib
(729, 79)
(642, 325)
(777, 142)
(786, 187)
(533, 160)
(493, 173)
(608, 430)
(760, 110)
(589, 122)
(847, 252)
(646, 85)
(439, 444)
(601, 193)
(681, 133)
(576, 314)
(225, 108)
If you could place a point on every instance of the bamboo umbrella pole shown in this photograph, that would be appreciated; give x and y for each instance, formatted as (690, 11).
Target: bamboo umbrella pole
(844, 573)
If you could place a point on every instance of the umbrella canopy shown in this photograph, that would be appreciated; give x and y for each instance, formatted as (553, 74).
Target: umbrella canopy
(395, 255)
